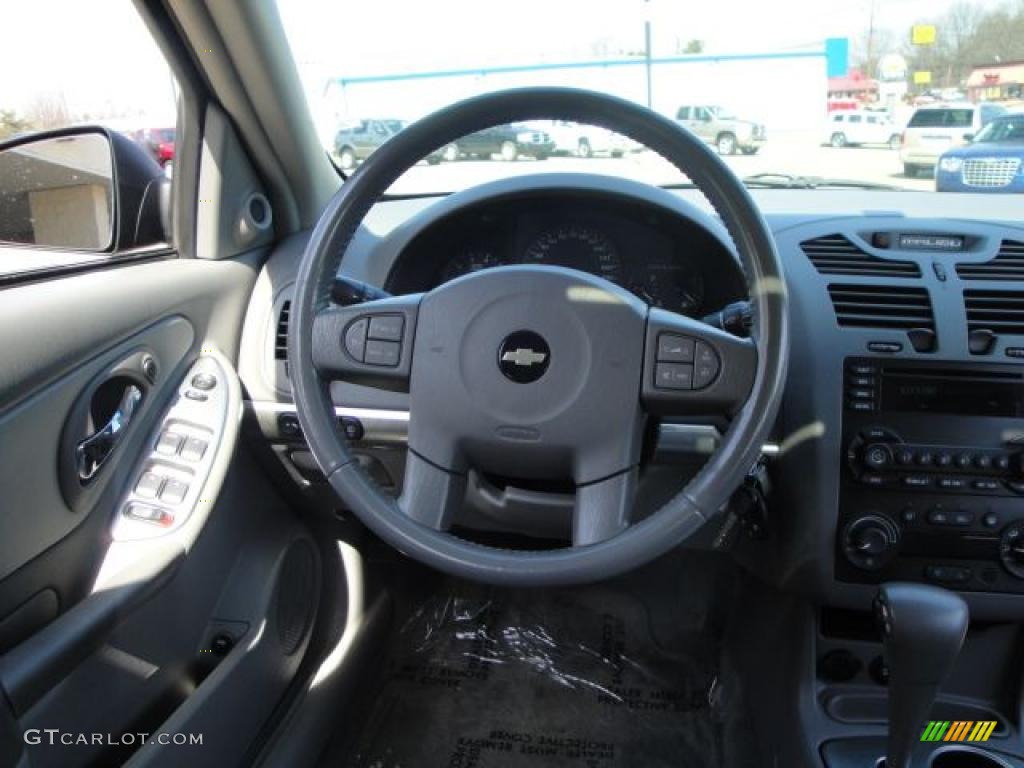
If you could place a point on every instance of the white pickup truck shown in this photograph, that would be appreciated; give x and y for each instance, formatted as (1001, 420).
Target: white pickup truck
(723, 130)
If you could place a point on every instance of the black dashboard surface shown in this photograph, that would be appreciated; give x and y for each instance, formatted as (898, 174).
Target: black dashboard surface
(667, 261)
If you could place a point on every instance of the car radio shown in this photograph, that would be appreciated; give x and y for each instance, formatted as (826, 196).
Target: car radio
(932, 476)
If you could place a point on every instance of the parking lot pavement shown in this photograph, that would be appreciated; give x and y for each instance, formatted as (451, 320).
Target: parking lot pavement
(795, 154)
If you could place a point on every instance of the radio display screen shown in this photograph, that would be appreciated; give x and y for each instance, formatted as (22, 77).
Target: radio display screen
(923, 394)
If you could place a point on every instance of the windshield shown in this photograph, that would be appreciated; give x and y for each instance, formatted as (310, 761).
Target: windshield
(1004, 129)
(764, 94)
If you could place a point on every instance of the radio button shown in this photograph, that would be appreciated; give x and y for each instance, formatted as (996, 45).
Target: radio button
(878, 456)
(964, 460)
(861, 405)
(908, 515)
(1016, 486)
(862, 381)
(1001, 462)
(951, 482)
(949, 574)
(983, 462)
(943, 459)
(862, 369)
(904, 456)
(879, 434)
(962, 517)
(986, 485)
(925, 457)
(873, 479)
(991, 520)
(938, 516)
(917, 481)
(860, 394)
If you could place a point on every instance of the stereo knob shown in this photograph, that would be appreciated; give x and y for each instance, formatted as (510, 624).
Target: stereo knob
(878, 456)
(870, 542)
(1011, 549)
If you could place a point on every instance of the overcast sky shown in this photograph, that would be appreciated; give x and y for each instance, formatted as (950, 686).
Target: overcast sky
(100, 56)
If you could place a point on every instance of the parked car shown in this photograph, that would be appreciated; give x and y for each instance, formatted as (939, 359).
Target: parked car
(509, 141)
(862, 127)
(582, 140)
(723, 130)
(159, 142)
(356, 142)
(934, 129)
(992, 162)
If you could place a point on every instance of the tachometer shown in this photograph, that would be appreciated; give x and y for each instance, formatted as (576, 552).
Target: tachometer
(577, 247)
(467, 261)
(676, 287)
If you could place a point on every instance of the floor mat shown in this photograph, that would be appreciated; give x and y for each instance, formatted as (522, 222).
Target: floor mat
(485, 678)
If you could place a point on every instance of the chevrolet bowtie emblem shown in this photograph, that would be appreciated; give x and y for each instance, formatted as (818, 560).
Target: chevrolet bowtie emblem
(522, 356)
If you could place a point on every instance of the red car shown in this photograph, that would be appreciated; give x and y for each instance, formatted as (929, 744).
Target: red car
(158, 141)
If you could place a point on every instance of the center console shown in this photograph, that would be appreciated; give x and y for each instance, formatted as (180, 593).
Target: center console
(932, 475)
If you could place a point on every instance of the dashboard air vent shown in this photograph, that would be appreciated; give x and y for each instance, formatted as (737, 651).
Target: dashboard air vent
(836, 255)
(995, 311)
(882, 306)
(281, 332)
(1007, 265)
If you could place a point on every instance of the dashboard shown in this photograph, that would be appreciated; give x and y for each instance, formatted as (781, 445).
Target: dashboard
(899, 449)
(667, 260)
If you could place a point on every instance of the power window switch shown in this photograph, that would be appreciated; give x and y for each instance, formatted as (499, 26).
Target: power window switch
(149, 514)
(174, 492)
(149, 485)
(193, 449)
(169, 443)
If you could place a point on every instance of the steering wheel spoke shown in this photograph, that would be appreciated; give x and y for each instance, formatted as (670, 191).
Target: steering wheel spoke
(602, 510)
(691, 368)
(369, 343)
(431, 495)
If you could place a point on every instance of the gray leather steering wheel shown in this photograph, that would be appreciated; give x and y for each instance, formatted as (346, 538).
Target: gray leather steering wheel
(534, 371)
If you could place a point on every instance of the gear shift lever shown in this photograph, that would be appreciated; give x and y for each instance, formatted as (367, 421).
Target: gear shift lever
(923, 629)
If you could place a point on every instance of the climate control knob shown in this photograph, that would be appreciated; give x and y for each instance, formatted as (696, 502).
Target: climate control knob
(870, 542)
(1011, 549)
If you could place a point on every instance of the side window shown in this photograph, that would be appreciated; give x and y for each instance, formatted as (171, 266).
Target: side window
(102, 108)
(872, 120)
(683, 114)
(855, 118)
(837, 118)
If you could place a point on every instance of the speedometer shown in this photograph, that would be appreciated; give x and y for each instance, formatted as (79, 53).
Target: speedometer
(577, 247)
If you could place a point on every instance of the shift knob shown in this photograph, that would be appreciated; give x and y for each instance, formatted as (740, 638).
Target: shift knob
(923, 629)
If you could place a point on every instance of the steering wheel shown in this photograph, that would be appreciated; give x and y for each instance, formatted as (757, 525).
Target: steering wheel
(535, 371)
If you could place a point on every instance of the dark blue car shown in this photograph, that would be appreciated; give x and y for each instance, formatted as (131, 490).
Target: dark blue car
(992, 162)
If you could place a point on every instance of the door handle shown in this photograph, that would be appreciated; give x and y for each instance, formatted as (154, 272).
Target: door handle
(94, 450)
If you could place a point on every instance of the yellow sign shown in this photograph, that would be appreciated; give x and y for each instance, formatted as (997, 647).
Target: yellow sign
(922, 34)
(922, 78)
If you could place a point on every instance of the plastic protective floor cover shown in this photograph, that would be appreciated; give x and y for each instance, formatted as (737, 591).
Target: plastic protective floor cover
(480, 678)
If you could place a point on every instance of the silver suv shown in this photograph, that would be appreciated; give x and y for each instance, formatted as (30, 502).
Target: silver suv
(720, 128)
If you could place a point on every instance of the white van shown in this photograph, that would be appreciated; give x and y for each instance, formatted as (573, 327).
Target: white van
(934, 129)
(862, 127)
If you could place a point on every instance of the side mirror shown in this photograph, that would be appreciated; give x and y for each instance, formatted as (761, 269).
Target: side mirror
(84, 188)
(968, 137)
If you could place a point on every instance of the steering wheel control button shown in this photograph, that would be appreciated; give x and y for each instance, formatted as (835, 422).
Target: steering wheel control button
(706, 365)
(204, 381)
(673, 376)
(168, 443)
(382, 353)
(355, 338)
(675, 349)
(193, 449)
(195, 394)
(149, 485)
(386, 327)
(523, 357)
(174, 492)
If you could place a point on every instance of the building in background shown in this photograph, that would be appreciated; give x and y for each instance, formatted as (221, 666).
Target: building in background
(997, 82)
(853, 90)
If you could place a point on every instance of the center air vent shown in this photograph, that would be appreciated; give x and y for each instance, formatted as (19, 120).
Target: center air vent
(882, 306)
(1007, 265)
(836, 255)
(995, 311)
(281, 332)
